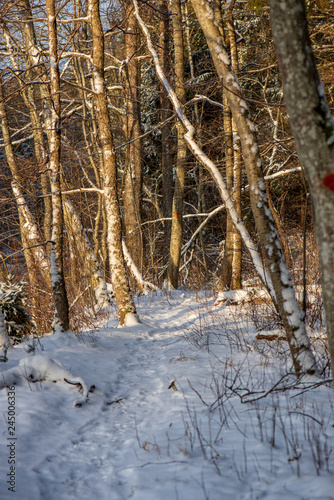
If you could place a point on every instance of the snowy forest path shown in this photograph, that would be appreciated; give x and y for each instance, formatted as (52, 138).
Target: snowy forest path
(152, 429)
(129, 377)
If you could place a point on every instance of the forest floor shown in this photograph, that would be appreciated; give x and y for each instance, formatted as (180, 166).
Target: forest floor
(180, 410)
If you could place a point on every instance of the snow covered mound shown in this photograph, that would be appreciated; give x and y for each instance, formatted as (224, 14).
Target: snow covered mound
(235, 297)
(42, 368)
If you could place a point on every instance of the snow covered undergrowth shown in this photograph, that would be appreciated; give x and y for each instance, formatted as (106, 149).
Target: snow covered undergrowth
(177, 413)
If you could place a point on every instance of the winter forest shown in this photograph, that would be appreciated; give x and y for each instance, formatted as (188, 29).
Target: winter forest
(167, 249)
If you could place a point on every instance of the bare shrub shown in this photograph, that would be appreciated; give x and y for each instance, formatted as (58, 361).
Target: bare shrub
(253, 389)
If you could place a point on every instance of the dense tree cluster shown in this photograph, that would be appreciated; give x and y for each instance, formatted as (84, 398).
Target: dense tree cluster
(148, 144)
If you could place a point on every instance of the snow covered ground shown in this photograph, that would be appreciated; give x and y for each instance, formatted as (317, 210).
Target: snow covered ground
(177, 413)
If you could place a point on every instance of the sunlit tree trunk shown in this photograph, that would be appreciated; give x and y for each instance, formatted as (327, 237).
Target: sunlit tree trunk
(165, 113)
(313, 130)
(177, 209)
(236, 281)
(225, 270)
(33, 246)
(230, 269)
(125, 304)
(200, 179)
(33, 56)
(32, 243)
(132, 194)
(237, 159)
(226, 265)
(61, 317)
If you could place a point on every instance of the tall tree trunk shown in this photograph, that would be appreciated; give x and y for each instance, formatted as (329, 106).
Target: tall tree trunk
(236, 282)
(165, 113)
(132, 194)
(237, 159)
(313, 130)
(88, 123)
(177, 210)
(225, 271)
(33, 54)
(125, 304)
(226, 267)
(230, 272)
(61, 318)
(38, 266)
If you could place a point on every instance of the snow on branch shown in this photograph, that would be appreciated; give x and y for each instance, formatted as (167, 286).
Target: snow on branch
(145, 285)
(209, 215)
(282, 172)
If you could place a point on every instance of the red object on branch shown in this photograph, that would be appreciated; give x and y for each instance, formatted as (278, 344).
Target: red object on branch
(329, 181)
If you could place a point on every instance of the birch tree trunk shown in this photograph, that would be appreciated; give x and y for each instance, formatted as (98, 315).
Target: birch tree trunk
(278, 277)
(177, 209)
(33, 55)
(81, 67)
(61, 318)
(313, 130)
(34, 251)
(119, 278)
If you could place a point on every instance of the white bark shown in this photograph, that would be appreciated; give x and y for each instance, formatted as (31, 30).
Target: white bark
(28, 228)
(61, 312)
